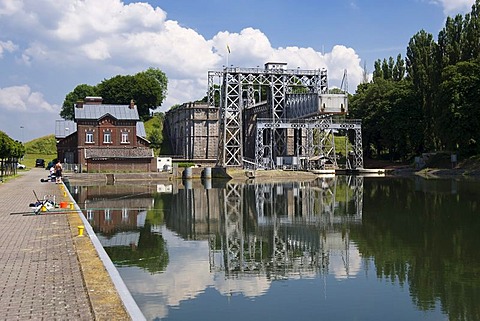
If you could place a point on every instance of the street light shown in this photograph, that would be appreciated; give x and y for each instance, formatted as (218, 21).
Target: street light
(23, 137)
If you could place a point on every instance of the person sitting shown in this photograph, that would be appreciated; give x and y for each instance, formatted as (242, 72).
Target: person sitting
(52, 174)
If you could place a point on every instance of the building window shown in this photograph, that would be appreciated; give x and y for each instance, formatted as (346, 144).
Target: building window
(108, 215)
(125, 138)
(124, 214)
(89, 137)
(107, 137)
(90, 215)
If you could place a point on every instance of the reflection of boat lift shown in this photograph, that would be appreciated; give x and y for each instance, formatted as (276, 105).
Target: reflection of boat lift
(244, 253)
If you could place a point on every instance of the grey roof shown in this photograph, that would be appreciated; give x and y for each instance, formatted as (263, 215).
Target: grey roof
(64, 128)
(98, 111)
(141, 130)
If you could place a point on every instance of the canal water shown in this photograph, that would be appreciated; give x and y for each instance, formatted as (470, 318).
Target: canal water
(336, 248)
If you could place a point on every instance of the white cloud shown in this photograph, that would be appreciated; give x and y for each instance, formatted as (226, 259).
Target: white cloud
(110, 35)
(22, 99)
(453, 7)
(83, 19)
(97, 50)
(7, 46)
(60, 44)
(9, 7)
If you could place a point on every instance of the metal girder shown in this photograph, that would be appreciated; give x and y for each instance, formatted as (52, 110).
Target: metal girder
(230, 85)
(322, 145)
(234, 236)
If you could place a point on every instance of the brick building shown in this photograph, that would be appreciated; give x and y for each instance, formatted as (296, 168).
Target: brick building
(104, 138)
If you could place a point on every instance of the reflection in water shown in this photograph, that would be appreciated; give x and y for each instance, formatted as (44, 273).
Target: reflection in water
(238, 239)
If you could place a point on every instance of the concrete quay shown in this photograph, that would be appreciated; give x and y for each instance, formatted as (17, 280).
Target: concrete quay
(47, 270)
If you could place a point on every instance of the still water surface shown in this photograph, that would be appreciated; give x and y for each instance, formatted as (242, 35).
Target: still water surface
(337, 248)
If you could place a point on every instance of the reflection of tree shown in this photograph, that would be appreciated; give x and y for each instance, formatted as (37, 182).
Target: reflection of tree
(161, 203)
(150, 254)
(429, 239)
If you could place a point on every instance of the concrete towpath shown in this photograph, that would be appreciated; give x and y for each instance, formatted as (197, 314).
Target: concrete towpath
(47, 271)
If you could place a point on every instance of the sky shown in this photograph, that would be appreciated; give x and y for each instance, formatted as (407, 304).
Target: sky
(48, 47)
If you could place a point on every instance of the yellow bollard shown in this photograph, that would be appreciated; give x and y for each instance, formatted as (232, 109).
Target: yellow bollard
(80, 230)
(72, 206)
(64, 193)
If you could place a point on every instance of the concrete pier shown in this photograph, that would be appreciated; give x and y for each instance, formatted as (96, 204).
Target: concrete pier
(47, 270)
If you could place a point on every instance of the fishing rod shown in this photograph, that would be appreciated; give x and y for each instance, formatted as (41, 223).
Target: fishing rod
(47, 213)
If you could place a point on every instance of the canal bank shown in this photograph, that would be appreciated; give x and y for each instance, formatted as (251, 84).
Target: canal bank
(48, 270)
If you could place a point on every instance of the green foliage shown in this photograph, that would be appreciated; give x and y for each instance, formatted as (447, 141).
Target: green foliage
(458, 126)
(78, 94)
(29, 158)
(10, 148)
(148, 89)
(185, 164)
(156, 134)
(150, 255)
(391, 118)
(429, 102)
(10, 152)
(43, 145)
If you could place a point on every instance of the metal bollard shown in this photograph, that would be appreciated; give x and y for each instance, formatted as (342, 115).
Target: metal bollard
(80, 230)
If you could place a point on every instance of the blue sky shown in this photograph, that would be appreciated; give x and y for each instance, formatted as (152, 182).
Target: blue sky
(48, 47)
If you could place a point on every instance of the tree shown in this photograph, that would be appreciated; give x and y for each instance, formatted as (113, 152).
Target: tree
(458, 124)
(78, 94)
(421, 71)
(398, 72)
(470, 47)
(117, 90)
(10, 152)
(147, 88)
(391, 118)
(162, 80)
(449, 41)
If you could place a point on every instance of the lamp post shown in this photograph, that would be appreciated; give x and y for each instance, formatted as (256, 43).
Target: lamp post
(64, 152)
(23, 136)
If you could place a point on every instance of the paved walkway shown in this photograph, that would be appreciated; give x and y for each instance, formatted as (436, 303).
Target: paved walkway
(41, 275)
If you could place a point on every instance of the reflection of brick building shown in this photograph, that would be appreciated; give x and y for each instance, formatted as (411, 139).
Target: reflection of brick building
(193, 131)
(104, 138)
(111, 209)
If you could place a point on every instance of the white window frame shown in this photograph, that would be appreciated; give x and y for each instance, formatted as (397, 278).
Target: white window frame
(125, 137)
(107, 137)
(89, 137)
(125, 214)
(108, 215)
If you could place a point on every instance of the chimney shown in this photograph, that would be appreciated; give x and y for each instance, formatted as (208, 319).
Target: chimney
(132, 104)
(89, 100)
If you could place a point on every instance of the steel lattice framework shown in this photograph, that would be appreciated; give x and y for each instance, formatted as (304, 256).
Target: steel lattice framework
(264, 93)
(323, 145)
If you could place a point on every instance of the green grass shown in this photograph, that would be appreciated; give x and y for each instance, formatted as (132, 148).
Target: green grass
(29, 159)
(43, 145)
